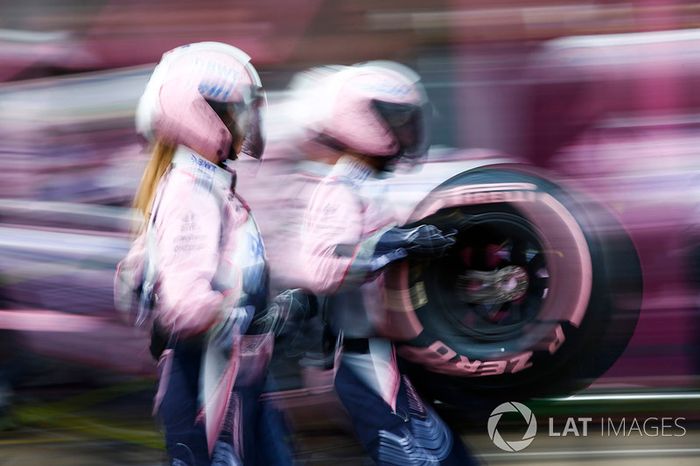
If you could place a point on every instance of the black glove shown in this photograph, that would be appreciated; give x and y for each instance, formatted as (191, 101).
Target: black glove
(374, 263)
(285, 314)
(159, 340)
(236, 323)
(422, 241)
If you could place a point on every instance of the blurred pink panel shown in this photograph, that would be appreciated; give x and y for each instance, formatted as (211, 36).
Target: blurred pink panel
(15, 57)
(48, 321)
(127, 33)
(134, 33)
(89, 340)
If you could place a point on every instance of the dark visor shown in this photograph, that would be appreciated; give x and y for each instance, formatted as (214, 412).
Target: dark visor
(242, 118)
(408, 123)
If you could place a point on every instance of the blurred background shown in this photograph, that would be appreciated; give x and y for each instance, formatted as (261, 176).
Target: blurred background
(599, 95)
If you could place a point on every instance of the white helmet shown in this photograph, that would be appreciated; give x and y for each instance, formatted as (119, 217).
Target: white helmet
(189, 90)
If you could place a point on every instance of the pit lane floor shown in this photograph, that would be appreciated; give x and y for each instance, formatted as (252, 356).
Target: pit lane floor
(38, 447)
(112, 426)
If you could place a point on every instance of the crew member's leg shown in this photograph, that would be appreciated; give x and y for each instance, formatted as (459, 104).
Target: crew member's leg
(184, 437)
(393, 424)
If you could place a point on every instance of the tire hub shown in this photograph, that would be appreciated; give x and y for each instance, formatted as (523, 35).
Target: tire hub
(495, 282)
(496, 287)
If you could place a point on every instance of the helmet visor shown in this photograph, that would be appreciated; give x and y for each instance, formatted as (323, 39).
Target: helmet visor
(242, 118)
(409, 123)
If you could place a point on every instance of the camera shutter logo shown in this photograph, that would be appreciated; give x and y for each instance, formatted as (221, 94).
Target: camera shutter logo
(512, 407)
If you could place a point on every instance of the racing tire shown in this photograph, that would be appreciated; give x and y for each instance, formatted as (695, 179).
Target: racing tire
(539, 296)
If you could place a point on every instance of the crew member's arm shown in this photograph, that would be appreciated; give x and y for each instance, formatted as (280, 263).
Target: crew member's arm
(335, 256)
(188, 231)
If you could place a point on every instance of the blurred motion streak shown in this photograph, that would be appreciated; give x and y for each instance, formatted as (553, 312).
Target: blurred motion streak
(596, 100)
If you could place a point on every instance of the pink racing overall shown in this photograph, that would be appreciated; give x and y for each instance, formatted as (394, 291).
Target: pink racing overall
(345, 218)
(205, 255)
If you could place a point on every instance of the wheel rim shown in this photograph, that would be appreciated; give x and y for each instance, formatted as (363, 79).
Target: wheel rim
(496, 282)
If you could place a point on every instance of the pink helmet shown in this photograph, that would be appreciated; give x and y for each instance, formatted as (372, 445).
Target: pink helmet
(376, 108)
(187, 88)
